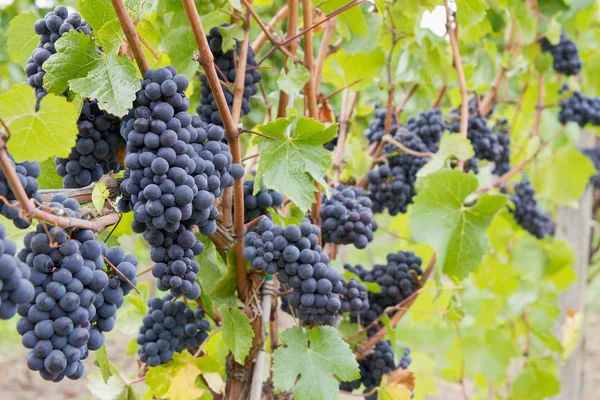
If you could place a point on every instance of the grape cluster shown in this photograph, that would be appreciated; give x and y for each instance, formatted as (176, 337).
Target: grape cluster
(355, 299)
(428, 126)
(376, 128)
(225, 62)
(565, 55)
(75, 299)
(176, 167)
(170, 326)
(502, 162)
(347, 217)
(294, 253)
(15, 288)
(27, 172)
(398, 280)
(50, 28)
(581, 109)
(95, 151)
(491, 144)
(528, 214)
(258, 204)
(392, 186)
(372, 369)
(593, 154)
(406, 359)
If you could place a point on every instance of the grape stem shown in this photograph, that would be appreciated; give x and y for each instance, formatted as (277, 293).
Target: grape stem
(84, 195)
(255, 221)
(266, 30)
(407, 97)
(321, 22)
(367, 347)
(122, 275)
(405, 149)
(259, 134)
(292, 27)
(28, 209)
(216, 312)
(147, 45)
(539, 107)
(131, 35)
(261, 39)
(440, 97)
(323, 53)
(452, 28)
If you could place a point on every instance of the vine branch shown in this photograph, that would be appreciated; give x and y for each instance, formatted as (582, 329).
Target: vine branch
(130, 33)
(261, 39)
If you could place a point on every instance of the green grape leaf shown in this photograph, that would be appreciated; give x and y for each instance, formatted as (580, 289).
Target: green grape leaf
(102, 362)
(294, 79)
(292, 163)
(237, 332)
(48, 178)
(102, 18)
(97, 12)
(75, 57)
(21, 37)
(176, 380)
(231, 34)
(456, 232)
(113, 82)
(99, 195)
(340, 69)
(352, 21)
(451, 146)
(310, 361)
(110, 36)
(562, 177)
(37, 135)
(470, 12)
(543, 62)
(535, 383)
(180, 46)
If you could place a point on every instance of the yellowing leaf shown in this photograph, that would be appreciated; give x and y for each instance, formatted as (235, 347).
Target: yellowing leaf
(99, 195)
(570, 331)
(37, 135)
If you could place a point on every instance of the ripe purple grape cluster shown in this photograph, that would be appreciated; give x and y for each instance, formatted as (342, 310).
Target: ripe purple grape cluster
(502, 162)
(347, 217)
(593, 154)
(98, 132)
(528, 214)
(376, 128)
(564, 55)
(294, 253)
(27, 172)
(170, 326)
(373, 367)
(95, 151)
(258, 204)
(15, 288)
(581, 109)
(225, 62)
(176, 167)
(428, 126)
(355, 298)
(392, 185)
(50, 28)
(75, 299)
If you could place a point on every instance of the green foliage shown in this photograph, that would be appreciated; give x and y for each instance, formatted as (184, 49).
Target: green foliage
(38, 134)
(21, 37)
(315, 355)
(456, 231)
(294, 79)
(237, 332)
(290, 163)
